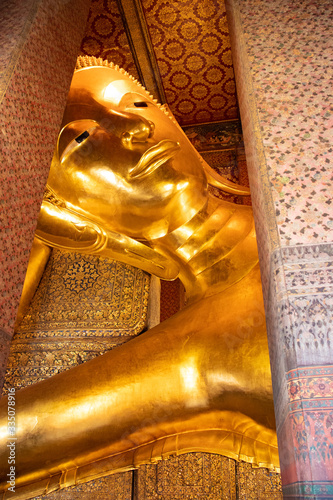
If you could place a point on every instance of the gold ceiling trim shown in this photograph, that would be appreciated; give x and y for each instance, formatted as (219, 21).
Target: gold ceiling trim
(141, 47)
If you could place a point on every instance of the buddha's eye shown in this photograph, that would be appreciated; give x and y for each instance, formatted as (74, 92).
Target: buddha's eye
(141, 104)
(82, 137)
(70, 142)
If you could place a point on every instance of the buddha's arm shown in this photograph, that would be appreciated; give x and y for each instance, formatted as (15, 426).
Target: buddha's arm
(61, 227)
(210, 359)
(39, 256)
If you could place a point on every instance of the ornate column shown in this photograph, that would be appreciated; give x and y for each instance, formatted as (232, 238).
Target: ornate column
(281, 60)
(39, 42)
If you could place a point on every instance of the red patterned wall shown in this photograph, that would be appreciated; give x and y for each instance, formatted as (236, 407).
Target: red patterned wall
(105, 36)
(42, 40)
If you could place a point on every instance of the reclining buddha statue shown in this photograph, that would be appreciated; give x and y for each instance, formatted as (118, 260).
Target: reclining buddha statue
(126, 183)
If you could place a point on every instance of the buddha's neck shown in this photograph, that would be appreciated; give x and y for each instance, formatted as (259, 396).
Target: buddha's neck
(215, 249)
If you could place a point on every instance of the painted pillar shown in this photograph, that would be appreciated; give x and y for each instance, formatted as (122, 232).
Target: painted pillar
(282, 58)
(39, 42)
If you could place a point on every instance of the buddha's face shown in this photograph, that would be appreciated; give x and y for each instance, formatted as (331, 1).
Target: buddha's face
(122, 161)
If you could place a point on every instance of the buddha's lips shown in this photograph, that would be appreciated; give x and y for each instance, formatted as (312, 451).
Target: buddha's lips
(153, 158)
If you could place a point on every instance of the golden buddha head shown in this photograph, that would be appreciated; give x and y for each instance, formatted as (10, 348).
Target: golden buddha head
(122, 160)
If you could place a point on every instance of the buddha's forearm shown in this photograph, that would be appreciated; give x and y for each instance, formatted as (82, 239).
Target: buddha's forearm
(39, 256)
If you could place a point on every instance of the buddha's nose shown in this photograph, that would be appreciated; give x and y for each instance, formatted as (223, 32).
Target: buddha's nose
(139, 131)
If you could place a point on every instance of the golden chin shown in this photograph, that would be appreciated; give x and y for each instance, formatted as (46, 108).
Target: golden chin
(126, 184)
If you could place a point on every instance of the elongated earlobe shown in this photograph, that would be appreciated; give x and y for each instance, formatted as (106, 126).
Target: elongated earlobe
(216, 180)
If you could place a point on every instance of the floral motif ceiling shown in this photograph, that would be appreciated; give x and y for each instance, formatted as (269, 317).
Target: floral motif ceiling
(105, 35)
(191, 45)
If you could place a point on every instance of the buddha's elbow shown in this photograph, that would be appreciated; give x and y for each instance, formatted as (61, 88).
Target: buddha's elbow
(193, 384)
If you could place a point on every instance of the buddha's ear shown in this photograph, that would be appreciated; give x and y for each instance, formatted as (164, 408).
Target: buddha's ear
(61, 227)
